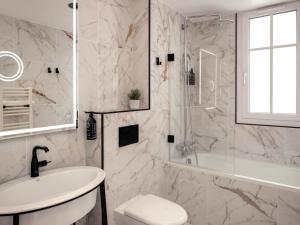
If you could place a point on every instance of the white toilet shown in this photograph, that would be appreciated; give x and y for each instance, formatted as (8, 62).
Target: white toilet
(150, 210)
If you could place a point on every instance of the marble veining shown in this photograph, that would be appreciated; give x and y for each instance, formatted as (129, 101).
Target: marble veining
(143, 168)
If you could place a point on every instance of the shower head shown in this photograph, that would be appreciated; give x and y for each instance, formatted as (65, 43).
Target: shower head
(203, 18)
(71, 5)
(225, 20)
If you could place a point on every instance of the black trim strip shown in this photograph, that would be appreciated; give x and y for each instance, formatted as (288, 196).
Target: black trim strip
(266, 125)
(115, 112)
(236, 73)
(102, 186)
(16, 219)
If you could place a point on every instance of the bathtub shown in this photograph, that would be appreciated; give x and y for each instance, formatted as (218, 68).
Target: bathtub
(238, 168)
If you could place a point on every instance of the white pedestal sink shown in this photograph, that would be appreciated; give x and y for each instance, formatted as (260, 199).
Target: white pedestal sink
(56, 197)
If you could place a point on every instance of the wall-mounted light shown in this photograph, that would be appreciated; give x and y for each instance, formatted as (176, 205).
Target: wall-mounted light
(18, 60)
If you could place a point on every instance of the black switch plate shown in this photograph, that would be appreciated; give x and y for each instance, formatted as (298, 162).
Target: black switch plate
(171, 57)
(171, 139)
(128, 135)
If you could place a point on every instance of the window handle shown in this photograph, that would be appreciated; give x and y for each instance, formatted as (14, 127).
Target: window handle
(245, 78)
(212, 85)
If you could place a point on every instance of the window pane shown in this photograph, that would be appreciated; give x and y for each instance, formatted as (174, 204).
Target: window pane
(284, 80)
(285, 28)
(260, 81)
(260, 32)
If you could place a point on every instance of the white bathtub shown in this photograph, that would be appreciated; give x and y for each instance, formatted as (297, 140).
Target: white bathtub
(255, 171)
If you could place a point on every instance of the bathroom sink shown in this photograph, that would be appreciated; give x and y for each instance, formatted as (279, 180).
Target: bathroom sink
(56, 197)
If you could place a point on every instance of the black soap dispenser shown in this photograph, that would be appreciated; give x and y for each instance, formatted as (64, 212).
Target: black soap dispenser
(91, 128)
(192, 77)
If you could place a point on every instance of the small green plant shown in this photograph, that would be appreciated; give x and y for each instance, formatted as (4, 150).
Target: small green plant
(135, 94)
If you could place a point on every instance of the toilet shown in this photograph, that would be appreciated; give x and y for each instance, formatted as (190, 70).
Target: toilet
(150, 210)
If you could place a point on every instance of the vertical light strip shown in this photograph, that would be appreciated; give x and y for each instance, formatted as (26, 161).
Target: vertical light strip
(200, 78)
(298, 63)
(75, 62)
(271, 64)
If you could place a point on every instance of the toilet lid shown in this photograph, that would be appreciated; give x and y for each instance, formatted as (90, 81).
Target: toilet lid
(153, 210)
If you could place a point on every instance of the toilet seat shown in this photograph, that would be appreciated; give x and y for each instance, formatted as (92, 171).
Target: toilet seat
(153, 210)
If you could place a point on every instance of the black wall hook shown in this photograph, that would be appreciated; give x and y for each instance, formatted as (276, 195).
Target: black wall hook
(49, 70)
(158, 62)
(57, 71)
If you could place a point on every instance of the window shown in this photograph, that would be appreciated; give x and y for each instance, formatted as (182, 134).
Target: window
(268, 79)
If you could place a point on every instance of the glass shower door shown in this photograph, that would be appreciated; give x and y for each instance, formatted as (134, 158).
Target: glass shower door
(202, 114)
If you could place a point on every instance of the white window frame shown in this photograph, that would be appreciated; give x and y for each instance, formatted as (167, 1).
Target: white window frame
(243, 115)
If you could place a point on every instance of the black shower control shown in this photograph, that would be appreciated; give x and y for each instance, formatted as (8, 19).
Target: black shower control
(171, 57)
(128, 135)
(171, 139)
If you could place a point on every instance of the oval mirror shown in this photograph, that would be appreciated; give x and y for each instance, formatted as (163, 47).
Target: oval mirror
(11, 66)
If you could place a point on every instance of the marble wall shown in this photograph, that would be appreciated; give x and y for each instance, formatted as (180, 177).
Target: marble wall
(139, 168)
(41, 47)
(123, 42)
(214, 200)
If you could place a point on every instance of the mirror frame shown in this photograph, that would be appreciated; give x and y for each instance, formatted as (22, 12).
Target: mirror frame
(50, 129)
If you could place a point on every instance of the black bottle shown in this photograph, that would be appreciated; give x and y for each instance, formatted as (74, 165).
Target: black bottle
(192, 77)
(91, 128)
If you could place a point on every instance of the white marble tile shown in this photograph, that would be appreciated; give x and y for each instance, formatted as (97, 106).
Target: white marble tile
(234, 202)
(288, 208)
(88, 20)
(13, 159)
(36, 42)
(88, 75)
(291, 146)
(260, 143)
(188, 188)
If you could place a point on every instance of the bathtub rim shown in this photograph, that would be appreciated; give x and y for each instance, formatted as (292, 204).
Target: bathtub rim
(237, 177)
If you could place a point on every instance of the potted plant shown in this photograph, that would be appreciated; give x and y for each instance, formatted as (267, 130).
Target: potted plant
(134, 99)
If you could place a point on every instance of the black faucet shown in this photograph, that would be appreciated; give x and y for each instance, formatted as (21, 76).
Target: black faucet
(35, 164)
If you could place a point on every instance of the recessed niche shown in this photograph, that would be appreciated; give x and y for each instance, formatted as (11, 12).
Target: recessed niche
(124, 55)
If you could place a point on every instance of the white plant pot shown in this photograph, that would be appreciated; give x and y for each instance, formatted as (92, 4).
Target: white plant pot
(134, 104)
